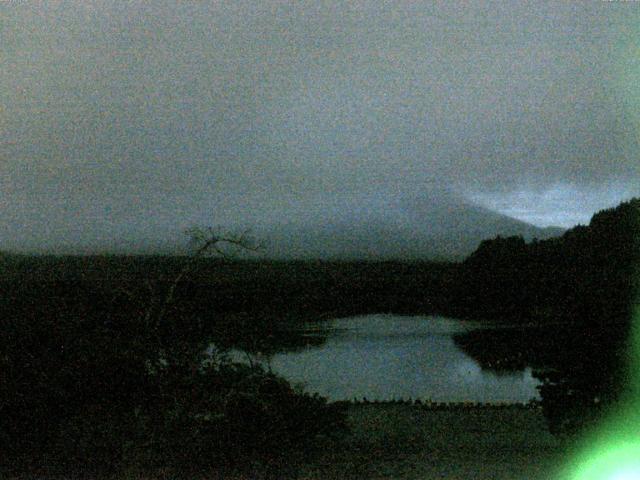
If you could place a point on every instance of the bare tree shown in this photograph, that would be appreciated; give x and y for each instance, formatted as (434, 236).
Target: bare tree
(158, 296)
(205, 242)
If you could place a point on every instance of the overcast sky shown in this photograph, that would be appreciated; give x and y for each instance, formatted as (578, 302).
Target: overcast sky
(124, 121)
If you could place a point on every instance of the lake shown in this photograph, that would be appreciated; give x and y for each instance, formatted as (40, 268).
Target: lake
(386, 357)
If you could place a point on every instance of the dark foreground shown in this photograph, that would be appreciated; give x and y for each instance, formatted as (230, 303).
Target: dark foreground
(407, 442)
(394, 441)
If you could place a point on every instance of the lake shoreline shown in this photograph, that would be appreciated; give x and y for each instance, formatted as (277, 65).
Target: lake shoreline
(428, 405)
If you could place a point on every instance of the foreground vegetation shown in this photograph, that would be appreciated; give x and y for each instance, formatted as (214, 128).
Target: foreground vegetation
(402, 442)
(102, 381)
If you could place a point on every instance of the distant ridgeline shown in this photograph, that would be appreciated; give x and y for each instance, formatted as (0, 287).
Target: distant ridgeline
(578, 289)
(584, 276)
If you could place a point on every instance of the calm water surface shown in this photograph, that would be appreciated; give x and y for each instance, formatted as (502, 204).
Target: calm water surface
(390, 357)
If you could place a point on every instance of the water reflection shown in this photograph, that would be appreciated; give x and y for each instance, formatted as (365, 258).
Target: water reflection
(388, 357)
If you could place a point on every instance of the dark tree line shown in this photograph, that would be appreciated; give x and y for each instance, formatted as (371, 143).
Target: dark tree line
(579, 290)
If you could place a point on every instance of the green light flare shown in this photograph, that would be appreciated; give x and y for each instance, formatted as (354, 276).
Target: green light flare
(618, 462)
(611, 451)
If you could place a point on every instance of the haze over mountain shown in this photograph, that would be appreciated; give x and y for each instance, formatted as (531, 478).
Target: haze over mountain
(438, 226)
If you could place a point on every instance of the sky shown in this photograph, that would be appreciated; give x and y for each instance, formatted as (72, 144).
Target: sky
(123, 123)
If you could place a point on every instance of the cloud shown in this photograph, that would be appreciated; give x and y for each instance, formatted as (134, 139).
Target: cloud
(184, 111)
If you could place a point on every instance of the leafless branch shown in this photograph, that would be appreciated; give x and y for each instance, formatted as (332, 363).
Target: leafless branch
(206, 241)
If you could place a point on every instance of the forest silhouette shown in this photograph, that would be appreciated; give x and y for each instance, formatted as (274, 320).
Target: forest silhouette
(575, 297)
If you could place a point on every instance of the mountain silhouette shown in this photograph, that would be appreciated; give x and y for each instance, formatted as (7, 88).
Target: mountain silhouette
(437, 226)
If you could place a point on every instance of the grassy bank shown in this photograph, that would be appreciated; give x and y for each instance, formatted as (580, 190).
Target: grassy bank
(411, 442)
(404, 442)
